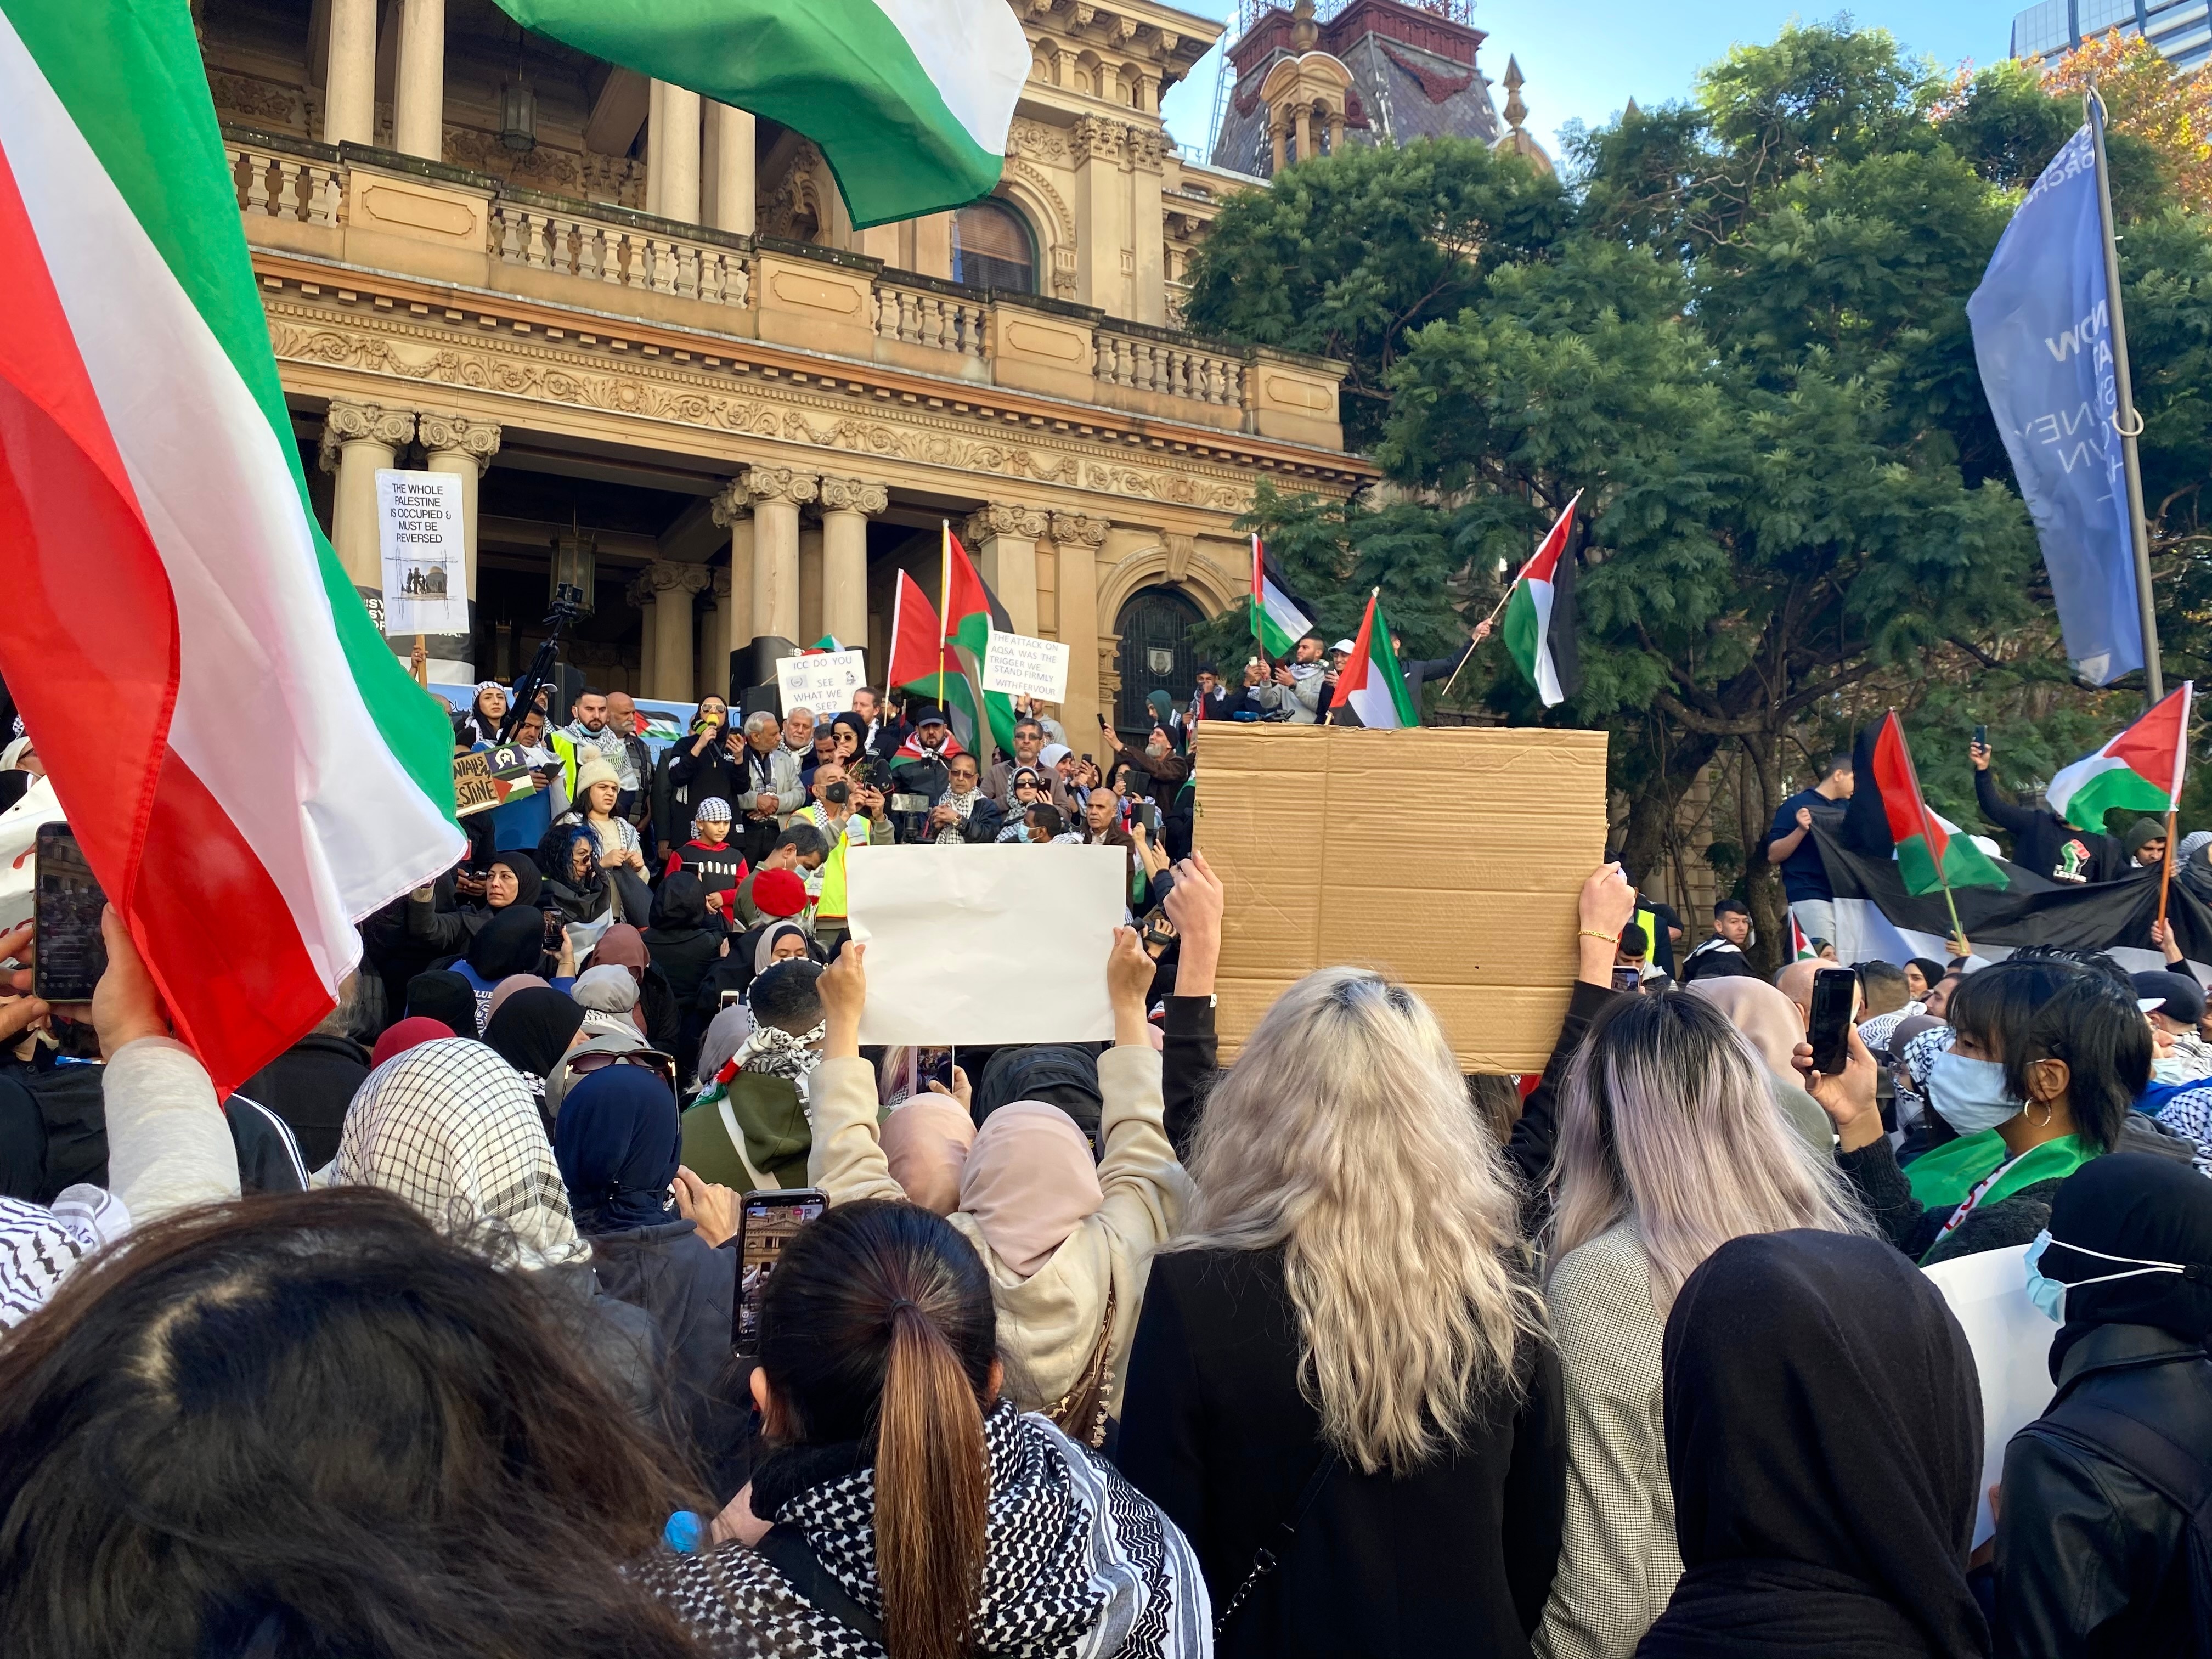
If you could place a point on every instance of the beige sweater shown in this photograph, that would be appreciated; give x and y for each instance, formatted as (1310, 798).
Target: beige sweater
(1048, 1322)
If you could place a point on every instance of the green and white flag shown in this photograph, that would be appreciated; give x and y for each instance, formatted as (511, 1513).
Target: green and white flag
(1277, 622)
(908, 100)
(1540, 615)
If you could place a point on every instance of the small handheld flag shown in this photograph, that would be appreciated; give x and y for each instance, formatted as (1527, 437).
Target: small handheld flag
(1370, 684)
(1278, 624)
(1540, 615)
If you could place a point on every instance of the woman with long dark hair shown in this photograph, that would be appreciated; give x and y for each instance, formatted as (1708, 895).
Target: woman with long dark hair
(903, 1482)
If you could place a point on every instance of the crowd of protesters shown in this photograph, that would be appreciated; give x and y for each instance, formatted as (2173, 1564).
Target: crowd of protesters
(420, 1343)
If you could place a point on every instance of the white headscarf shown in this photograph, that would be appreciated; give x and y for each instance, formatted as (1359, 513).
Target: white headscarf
(453, 1129)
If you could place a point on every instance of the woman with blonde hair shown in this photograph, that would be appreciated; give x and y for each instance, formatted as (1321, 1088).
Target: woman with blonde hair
(1671, 1143)
(1340, 1389)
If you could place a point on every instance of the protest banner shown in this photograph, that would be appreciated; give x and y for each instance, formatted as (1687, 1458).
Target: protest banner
(1468, 897)
(1023, 667)
(489, 778)
(822, 681)
(1988, 1295)
(985, 944)
(426, 572)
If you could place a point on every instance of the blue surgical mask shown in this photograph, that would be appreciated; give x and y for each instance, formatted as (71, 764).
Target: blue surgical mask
(1970, 1095)
(2049, 1295)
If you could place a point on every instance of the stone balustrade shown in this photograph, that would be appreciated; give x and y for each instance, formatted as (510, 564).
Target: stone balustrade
(274, 185)
(1148, 363)
(574, 241)
(926, 318)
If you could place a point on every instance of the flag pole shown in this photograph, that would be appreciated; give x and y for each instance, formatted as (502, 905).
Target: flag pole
(2125, 421)
(2173, 807)
(944, 605)
(1259, 603)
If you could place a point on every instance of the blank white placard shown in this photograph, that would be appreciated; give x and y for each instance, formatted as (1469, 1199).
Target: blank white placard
(987, 944)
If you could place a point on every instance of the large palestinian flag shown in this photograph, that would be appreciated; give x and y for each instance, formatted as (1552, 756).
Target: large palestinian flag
(247, 765)
(941, 658)
(1540, 615)
(910, 100)
(1929, 855)
(1370, 683)
(2142, 769)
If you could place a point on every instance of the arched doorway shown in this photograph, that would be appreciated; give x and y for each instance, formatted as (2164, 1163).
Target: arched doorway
(1156, 653)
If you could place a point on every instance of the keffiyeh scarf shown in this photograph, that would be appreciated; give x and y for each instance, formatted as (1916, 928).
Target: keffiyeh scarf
(965, 806)
(771, 1051)
(40, 1247)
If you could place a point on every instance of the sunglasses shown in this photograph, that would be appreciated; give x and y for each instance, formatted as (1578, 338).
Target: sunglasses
(585, 1065)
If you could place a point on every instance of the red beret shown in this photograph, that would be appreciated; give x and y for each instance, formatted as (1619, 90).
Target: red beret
(778, 892)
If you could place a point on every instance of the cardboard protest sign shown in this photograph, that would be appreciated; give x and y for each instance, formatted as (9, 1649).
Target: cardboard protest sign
(823, 681)
(489, 778)
(1448, 858)
(985, 944)
(1023, 667)
(426, 571)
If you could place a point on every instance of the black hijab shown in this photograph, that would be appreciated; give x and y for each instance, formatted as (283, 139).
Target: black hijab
(681, 904)
(528, 880)
(444, 996)
(511, 943)
(2142, 1208)
(533, 1029)
(1824, 1443)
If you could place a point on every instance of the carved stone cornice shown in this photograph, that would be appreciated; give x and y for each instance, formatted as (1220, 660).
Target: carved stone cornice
(666, 576)
(1147, 148)
(1004, 519)
(350, 423)
(1036, 139)
(458, 434)
(732, 503)
(1094, 135)
(1071, 529)
(780, 483)
(854, 495)
(639, 593)
(722, 586)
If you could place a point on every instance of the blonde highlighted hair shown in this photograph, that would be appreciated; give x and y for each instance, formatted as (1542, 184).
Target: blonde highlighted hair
(1344, 1136)
(1668, 1119)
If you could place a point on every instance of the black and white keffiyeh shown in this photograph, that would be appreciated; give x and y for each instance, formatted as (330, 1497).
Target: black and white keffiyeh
(1079, 1563)
(454, 1130)
(40, 1247)
(965, 806)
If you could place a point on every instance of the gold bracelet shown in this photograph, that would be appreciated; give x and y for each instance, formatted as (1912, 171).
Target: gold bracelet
(1610, 938)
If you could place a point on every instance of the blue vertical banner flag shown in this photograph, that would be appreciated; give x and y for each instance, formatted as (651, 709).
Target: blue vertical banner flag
(2043, 335)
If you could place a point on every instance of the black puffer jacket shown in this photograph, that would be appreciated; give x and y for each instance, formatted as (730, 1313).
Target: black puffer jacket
(2091, 1561)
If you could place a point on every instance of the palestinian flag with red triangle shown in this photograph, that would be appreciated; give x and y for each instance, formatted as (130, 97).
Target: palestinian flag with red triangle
(1370, 684)
(2142, 769)
(941, 657)
(1929, 857)
(1540, 615)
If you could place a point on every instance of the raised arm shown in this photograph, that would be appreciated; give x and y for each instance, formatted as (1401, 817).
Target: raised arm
(1146, 1190)
(1190, 1060)
(847, 1159)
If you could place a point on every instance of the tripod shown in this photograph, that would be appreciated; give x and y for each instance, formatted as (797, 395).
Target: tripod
(567, 606)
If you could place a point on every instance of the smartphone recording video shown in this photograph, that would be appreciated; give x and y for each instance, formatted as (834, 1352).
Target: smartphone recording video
(71, 955)
(1835, 999)
(767, 1222)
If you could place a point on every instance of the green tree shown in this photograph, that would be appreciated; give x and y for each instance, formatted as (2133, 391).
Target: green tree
(1344, 254)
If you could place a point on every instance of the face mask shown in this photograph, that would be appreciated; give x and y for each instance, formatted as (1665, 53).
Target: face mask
(1970, 1095)
(2049, 1295)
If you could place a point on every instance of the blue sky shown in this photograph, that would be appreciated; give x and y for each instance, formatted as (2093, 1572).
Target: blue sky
(1588, 59)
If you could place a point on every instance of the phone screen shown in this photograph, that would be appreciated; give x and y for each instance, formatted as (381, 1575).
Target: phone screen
(71, 954)
(933, 1065)
(1981, 737)
(1627, 979)
(767, 1222)
(1834, 998)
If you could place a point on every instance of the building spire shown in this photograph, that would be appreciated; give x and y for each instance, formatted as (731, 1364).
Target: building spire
(1304, 30)
(1515, 111)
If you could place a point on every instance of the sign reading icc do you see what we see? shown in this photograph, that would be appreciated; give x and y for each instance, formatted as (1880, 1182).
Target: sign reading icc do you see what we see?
(822, 682)
(426, 572)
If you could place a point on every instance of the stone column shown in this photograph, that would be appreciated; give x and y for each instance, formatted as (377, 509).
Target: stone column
(357, 440)
(729, 167)
(714, 670)
(734, 510)
(778, 492)
(463, 449)
(1301, 125)
(672, 585)
(1335, 132)
(1275, 141)
(1076, 540)
(1101, 214)
(350, 88)
(1004, 538)
(1148, 226)
(847, 506)
(418, 104)
(810, 579)
(673, 182)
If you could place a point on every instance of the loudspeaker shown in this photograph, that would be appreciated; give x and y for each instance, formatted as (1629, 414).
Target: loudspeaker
(753, 666)
(568, 682)
(756, 700)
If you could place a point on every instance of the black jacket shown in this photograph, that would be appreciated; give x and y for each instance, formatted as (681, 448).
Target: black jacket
(310, 1085)
(2091, 1561)
(714, 771)
(2045, 843)
(1456, 1557)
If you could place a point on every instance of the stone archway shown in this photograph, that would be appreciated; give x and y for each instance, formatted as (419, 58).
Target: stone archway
(1155, 654)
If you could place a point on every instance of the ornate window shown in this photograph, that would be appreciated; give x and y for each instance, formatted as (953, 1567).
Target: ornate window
(992, 246)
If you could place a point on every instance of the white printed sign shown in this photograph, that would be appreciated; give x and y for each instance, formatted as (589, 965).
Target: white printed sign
(426, 570)
(824, 683)
(1023, 667)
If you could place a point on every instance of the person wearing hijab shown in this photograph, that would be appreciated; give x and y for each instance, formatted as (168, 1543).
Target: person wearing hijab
(617, 1141)
(1065, 1243)
(1824, 1446)
(608, 996)
(1770, 1022)
(532, 1030)
(683, 946)
(512, 881)
(2093, 1554)
(750, 955)
(409, 1033)
(623, 946)
(506, 988)
(725, 1034)
(446, 997)
(452, 1128)
(513, 942)
(481, 723)
(926, 1140)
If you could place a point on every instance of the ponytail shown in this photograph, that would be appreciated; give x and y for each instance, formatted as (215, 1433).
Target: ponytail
(932, 1493)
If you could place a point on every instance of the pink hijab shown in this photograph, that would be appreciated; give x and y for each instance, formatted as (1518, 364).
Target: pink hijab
(506, 988)
(1029, 1182)
(1769, 1021)
(926, 1140)
(624, 947)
